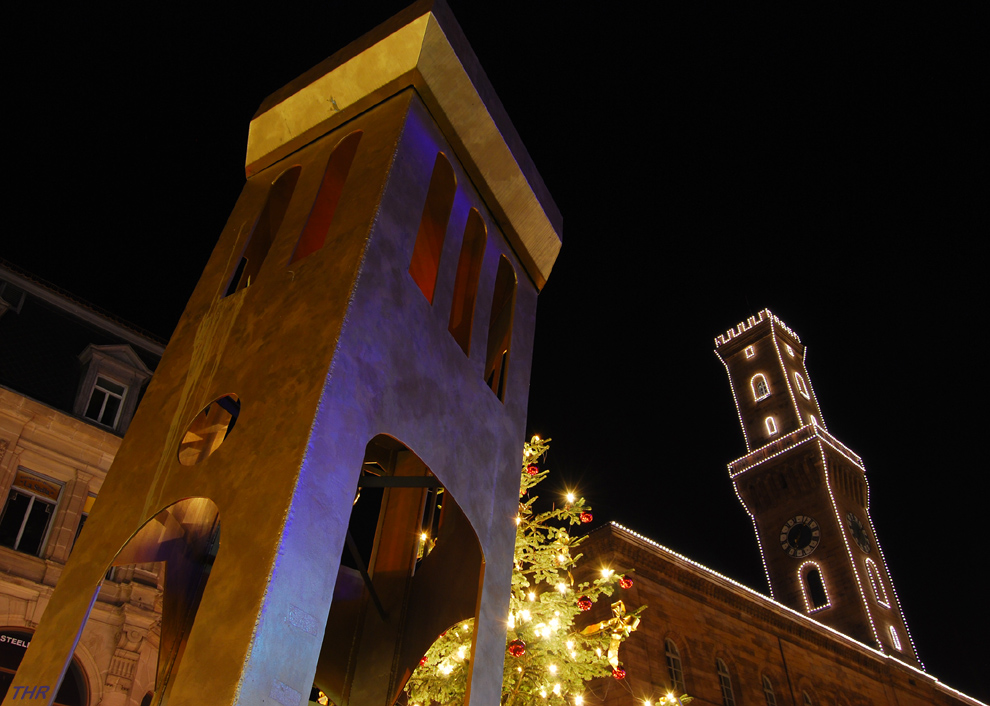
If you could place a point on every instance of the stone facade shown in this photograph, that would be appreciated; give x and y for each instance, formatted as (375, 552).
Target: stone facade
(708, 617)
(58, 459)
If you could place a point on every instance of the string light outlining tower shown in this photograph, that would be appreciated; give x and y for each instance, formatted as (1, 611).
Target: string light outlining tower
(806, 492)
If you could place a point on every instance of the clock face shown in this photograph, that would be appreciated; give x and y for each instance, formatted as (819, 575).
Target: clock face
(858, 532)
(800, 536)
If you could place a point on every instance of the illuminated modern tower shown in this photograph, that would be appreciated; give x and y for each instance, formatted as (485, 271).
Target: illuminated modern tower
(806, 492)
(362, 333)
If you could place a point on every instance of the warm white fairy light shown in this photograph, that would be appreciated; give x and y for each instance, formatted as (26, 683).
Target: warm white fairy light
(512, 621)
(849, 553)
(570, 497)
(556, 689)
(762, 598)
(526, 616)
(771, 424)
(578, 700)
(741, 328)
(879, 592)
(783, 369)
(518, 520)
(802, 580)
(735, 399)
(761, 388)
(552, 668)
(531, 596)
(606, 573)
(894, 638)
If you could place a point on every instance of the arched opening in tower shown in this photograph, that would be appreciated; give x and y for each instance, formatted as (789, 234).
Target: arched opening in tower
(412, 567)
(168, 561)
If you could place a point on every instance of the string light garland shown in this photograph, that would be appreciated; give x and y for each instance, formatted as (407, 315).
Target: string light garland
(548, 657)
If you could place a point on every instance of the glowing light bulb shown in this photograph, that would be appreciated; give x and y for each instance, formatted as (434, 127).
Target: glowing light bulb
(553, 668)
(525, 615)
(578, 700)
(518, 520)
(570, 497)
(556, 689)
(562, 587)
(570, 644)
(607, 573)
(531, 596)
(422, 537)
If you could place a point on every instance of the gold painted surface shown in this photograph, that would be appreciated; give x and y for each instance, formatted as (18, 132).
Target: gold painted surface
(422, 54)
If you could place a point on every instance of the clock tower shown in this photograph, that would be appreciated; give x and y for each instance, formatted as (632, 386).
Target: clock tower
(806, 492)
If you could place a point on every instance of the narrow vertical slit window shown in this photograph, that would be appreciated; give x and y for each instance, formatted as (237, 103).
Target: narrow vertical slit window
(802, 388)
(260, 241)
(879, 592)
(500, 328)
(466, 280)
(813, 585)
(725, 682)
(425, 265)
(768, 694)
(674, 669)
(320, 219)
(894, 639)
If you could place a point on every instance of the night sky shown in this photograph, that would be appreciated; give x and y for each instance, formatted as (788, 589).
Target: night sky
(707, 163)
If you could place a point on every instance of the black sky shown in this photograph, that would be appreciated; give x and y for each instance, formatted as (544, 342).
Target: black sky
(708, 164)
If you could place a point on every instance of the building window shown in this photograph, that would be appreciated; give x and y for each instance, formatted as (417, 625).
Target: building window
(771, 426)
(790, 351)
(466, 280)
(87, 507)
(802, 388)
(725, 681)
(314, 234)
(760, 387)
(27, 516)
(894, 638)
(768, 691)
(813, 587)
(674, 667)
(879, 592)
(105, 402)
(500, 328)
(265, 229)
(425, 265)
(750, 352)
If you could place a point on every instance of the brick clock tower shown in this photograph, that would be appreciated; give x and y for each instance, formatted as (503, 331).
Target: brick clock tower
(806, 492)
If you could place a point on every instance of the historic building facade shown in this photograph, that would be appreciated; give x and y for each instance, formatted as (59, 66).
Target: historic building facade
(70, 380)
(726, 645)
(833, 632)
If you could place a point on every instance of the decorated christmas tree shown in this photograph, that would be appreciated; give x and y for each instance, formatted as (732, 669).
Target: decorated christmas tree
(550, 652)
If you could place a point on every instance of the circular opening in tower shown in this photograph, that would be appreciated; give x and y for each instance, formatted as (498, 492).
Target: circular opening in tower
(209, 429)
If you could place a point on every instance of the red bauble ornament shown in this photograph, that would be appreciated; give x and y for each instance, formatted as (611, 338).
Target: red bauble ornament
(586, 517)
(625, 583)
(619, 673)
(532, 470)
(422, 660)
(584, 603)
(517, 648)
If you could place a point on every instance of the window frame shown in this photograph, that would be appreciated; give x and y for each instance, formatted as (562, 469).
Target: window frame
(725, 683)
(107, 394)
(768, 692)
(675, 666)
(755, 384)
(53, 503)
